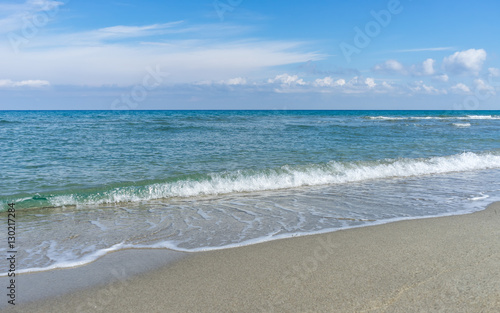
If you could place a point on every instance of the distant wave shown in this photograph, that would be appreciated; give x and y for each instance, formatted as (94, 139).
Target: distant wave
(273, 179)
(483, 117)
(467, 117)
(461, 124)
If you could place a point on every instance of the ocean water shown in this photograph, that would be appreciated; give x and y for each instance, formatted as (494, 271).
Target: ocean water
(88, 182)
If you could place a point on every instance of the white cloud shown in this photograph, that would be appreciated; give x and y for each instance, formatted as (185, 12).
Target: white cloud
(386, 85)
(14, 17)
(442, 77)
(370, 82)
(395, 67)
(460, 88)
(424, 69)
(468, 61)
(286, 83)
(355, 81)
(432, 90)
(24, 83)
(126, 64)
(428, 67)
(287, 80)
(358, 84)
(385, 88)
(235, 81)
(340, 82)
(483, 87)
(151, 35)
(391, 67)
(123, 31)
(44, 5)
(494, 72)
(329, 82)
(421, 87)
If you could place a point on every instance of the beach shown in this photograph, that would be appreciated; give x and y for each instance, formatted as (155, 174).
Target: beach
(246, 156)
(443, 264)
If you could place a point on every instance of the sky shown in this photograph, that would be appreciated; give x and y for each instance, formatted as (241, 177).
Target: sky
(242, 54)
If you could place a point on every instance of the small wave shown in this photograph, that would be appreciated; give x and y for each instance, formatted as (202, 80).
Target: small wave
(461, 124)
(281, 178)
(387, 118)
(481, 197)
(468, 117)
(483, 117)
(63, 263)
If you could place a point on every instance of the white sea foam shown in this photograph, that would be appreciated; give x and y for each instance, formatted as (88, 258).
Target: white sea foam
(483, 117)
(468, 117)
(291, 177)
(461, 125)
(67, 263)
(481, 197)
(387, 118)
(220, 222)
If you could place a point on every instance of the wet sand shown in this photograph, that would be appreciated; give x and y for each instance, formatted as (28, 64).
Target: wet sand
(444, 264)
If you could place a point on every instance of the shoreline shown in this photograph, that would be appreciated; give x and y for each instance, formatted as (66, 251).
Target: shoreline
(419, 264)
(112, 267)
(103, 253)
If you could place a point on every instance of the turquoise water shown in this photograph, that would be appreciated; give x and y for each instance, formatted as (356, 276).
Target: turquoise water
(86, 182)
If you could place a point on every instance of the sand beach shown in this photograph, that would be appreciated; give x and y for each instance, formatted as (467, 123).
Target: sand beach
(444, 264)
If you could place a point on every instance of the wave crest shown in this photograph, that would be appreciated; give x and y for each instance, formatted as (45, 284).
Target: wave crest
(467, 117)
(333, 172)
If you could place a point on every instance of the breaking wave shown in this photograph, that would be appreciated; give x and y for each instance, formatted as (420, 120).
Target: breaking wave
(285, 177)
(467, 117)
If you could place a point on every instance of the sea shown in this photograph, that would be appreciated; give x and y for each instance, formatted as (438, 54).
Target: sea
(86, 183)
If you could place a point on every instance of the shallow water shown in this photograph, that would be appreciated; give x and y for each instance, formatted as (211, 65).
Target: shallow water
(89, 182)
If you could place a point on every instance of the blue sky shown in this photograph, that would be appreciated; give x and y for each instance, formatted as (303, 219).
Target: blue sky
(242, 54)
